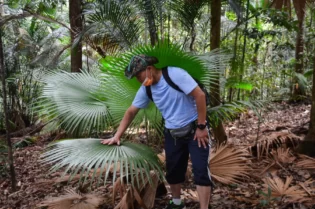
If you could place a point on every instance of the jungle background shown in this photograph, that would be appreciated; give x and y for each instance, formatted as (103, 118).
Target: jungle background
(63, 89)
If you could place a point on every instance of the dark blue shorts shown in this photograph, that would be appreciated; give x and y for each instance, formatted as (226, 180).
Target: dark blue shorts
(177, 153)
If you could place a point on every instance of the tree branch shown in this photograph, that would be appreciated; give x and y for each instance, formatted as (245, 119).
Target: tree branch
(27, 13)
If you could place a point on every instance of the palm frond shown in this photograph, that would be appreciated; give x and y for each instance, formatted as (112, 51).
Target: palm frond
(229, 165)
(276, 139)
(170, 54)
(283, 189)
(282, 155)
(306, 162)
(228, 111)
(144, 194)
(113, 21)
(75, 100)
(83, 155)
(187, 12)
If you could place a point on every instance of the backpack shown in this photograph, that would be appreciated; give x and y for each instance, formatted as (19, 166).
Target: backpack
(174, 86)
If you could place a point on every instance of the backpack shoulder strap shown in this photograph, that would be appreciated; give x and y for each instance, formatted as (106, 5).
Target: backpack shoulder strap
(169, 80)
(149, 92)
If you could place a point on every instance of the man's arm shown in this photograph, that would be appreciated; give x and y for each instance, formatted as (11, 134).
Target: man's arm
(200, 98)
(125, 122)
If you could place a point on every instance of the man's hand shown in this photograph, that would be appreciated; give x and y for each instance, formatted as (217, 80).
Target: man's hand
(203, 137)
(113, 140)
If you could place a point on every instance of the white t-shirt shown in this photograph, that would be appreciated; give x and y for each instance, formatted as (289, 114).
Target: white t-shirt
(177, 108)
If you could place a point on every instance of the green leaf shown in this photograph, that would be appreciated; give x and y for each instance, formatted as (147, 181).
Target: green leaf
(89, 154)
(244, 86)
(309, 73)
(233, 82)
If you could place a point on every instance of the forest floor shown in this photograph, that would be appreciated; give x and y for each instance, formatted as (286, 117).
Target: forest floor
(281, 123)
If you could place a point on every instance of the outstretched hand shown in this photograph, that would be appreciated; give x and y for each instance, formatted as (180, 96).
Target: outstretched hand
(110, 141)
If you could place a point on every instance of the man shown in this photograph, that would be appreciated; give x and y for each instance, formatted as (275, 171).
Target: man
(182, 112)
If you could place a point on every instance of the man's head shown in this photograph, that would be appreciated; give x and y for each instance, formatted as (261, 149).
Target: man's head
(139, 63)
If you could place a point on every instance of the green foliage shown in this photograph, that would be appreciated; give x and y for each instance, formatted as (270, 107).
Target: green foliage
(229, 111)
(88, 155)
(27, 141)
(233, 82)
(111, 26)
(187, 12)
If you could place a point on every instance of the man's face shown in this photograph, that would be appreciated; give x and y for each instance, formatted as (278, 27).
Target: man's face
(141, 76)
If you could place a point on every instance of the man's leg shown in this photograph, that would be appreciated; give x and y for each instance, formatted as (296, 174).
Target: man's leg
(176, 152)
(200, 162)
(204, 196)
(175, 188)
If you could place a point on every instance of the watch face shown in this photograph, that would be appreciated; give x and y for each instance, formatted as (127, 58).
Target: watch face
(201, 126)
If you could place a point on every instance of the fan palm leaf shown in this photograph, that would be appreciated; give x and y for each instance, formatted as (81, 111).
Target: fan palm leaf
(75, 100)
(170, 54)
(229, 165)
(83, 155)
(283, 189)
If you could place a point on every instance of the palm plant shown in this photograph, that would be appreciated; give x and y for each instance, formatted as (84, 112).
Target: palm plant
(111, 26)
(188, 12)
(89, 102)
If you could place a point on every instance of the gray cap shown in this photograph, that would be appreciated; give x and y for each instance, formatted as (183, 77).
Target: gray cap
(139, 63)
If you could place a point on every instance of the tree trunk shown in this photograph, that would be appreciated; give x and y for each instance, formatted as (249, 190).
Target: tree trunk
(308, 145)
(244, 49)
(151, 21)
(76, 27)
(193, 38)
(5, 110)
(219, 132)
(1, 9)
(299, 49)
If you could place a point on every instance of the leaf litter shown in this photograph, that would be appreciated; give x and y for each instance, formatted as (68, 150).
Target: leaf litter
(265, 172)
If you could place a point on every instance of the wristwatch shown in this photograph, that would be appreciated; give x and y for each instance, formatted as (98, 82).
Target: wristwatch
(201, 126)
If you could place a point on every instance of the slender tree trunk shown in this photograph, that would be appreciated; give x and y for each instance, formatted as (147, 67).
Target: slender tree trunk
(151, 22)
(1, 9)
(76, 27)
(5, 110)
(299, 56)
(299, 49)
(219, 132)
(161, 22)
(193, 38)
(234, 60)
(244, 49)
(308, 145)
